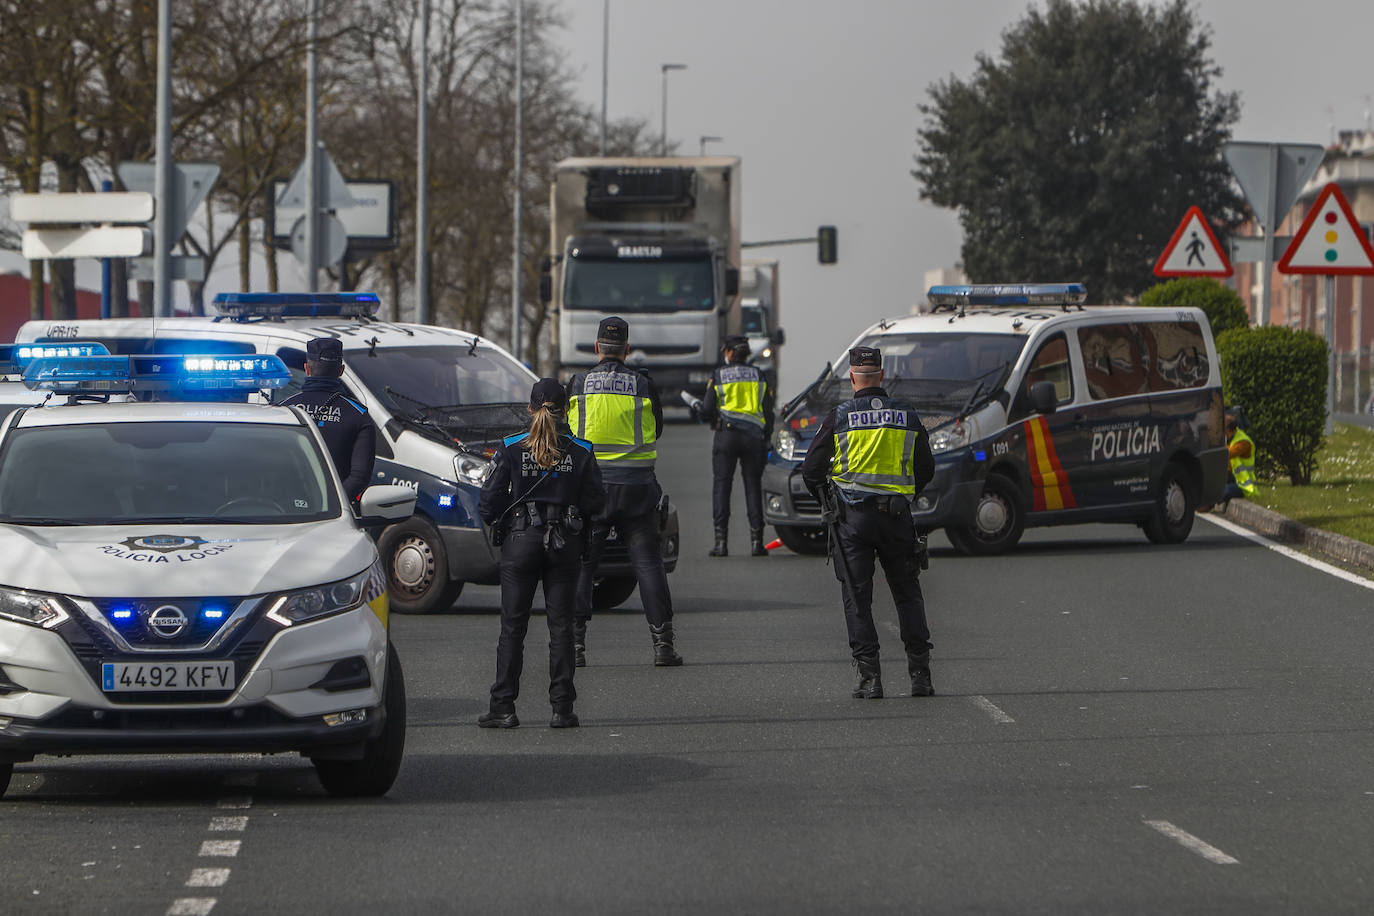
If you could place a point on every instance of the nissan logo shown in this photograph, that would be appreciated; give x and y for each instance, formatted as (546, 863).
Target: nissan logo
(167, 621)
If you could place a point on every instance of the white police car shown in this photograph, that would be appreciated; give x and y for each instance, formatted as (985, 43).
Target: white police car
(187, 576)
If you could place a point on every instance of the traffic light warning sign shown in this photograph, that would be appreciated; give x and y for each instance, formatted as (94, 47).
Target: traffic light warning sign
(1193, 251)
(1330, 240)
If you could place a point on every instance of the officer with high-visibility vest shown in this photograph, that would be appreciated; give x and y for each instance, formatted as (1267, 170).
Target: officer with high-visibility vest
(873, 452)
(618, 410)
(1240, 448)
(739, 404)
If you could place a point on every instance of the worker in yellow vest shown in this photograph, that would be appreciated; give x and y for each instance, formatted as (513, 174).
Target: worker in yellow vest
(1240, 448)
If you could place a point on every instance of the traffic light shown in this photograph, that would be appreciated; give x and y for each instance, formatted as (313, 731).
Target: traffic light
(826, 242)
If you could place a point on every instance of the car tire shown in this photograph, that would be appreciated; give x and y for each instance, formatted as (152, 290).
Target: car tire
(416, 565)
(1175, 503)
(6, 771)
(612, 591)
(809, 542)
(999, 520)
(374, 774)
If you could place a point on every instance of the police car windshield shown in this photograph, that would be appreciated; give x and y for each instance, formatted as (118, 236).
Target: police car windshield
(176, 473)
(639, 286)
(424, 381)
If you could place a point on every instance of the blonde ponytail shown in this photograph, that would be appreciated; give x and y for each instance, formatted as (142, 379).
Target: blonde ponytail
(543, 438)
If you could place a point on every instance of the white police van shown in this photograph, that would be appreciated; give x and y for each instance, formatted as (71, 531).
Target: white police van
(442, 401)
(1041, 411)
(187, 576)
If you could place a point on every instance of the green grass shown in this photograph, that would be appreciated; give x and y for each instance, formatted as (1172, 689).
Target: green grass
(1341, 495)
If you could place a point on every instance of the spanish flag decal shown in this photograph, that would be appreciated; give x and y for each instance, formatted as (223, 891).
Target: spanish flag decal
(1049, 483)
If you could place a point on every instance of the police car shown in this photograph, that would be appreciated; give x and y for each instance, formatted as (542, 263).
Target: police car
(187, 576)
(442, 400)
(1040, 411)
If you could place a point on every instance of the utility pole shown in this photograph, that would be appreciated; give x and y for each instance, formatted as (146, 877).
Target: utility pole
(605, 66)
(422, 177)
(518, 196)
(663, 147)
(162, 219)
(312, 155)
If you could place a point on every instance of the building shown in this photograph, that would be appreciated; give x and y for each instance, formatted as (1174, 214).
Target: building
(14, 304)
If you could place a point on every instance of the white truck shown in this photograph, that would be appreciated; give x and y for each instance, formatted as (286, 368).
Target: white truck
(655, 241)
(760, 313)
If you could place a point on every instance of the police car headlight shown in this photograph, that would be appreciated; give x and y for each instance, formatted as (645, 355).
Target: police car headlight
(949, 437)
(471, 469)
(321, 601)
(785, 444)
(31, 607)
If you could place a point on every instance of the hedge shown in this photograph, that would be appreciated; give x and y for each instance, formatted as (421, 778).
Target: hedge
(1223, 306)
(1279, 376)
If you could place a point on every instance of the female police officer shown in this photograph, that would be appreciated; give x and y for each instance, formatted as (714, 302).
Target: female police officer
(544, 487)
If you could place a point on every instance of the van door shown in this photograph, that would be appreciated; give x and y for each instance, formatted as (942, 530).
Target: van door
(1054, 442)
(1120, 436)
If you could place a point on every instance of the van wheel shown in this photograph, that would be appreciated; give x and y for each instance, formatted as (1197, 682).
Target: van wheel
(809, 542)
(6, 771)
(374, 774)
(417, 568)
(612, 591)
(999, 518)
(1172, 520)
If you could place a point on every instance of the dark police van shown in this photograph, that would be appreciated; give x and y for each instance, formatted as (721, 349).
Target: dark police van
(1040, 411)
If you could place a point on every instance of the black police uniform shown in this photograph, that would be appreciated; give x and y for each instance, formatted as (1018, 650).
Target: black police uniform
(542, 544)
(881, 525)
(738, 442)
(347, 429)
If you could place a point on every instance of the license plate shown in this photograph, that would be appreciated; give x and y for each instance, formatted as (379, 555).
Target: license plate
(123, 677)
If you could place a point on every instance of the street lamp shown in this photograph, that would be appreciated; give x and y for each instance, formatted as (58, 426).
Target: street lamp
(666, 67)
(705, 140)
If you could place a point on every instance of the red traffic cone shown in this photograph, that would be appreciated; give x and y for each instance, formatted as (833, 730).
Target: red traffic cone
(773, 544)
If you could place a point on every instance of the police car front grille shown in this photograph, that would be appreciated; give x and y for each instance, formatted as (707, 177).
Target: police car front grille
(166, 719)
(806, 504)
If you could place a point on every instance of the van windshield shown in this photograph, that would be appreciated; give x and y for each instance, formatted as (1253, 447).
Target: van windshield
(643, 286)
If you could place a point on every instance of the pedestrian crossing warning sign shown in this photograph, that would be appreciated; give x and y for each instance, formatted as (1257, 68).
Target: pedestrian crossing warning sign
(1193, 251)
(1330, 240)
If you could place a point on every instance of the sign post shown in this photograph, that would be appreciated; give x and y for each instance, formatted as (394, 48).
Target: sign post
(1193, 251)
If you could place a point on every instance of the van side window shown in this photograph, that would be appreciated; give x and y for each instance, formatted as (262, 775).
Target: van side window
(1176, 355)
(1112, 363)
(1051, 364)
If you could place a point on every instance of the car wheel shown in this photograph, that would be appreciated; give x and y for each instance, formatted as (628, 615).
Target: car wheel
(612, 591)
(417, 568)
(809, 542)
(1172, 520)
(999, 518)
(6, 771)
(374, 774)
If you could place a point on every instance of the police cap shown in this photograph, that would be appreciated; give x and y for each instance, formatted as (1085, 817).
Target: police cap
(548, 391)
(737, 342)
(866, 356)
(613, 331)
(324, 350)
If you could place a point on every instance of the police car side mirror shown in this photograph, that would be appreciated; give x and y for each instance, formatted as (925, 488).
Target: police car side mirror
(386, 503)
(779, 337)
(546, 288)
(1043, 397)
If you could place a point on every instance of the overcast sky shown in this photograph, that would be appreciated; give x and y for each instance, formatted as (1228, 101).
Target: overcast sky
(820, 100)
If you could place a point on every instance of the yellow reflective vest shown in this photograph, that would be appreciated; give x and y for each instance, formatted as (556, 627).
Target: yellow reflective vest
(740, 391)
(1243, 468)
(875, 445)
(610, 408)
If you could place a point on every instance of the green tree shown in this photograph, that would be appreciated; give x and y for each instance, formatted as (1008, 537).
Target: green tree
(1073, 155)
(1223, 305)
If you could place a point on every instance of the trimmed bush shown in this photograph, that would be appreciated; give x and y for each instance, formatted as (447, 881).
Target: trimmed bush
(1279, 376)
(1223, 305)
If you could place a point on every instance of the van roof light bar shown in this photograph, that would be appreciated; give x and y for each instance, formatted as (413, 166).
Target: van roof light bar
(276, 306)
(1009, 294)
(178, 373)
(15, 357)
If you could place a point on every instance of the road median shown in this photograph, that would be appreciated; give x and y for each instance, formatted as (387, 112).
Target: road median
(1334, 547)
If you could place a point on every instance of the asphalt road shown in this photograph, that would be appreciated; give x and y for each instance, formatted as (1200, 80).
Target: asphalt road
(1120, 728)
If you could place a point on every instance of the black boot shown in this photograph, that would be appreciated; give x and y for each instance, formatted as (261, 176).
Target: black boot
(498, 718)
(756, 548)
(870, 686)
(580, 641)
(564, 718)
(664, 654)
(918, 666)
(719, 550)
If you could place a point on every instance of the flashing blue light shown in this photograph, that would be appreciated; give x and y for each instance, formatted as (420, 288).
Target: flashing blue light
(446, 500)
(15, 357)
(196, 373)
(78, 374)
(245, 306)
(122, 613)
(1009, 294)
(212, 373)
(980, 456)
(212, 613)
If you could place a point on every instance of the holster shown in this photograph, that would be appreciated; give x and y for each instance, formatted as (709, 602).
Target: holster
(662, 512)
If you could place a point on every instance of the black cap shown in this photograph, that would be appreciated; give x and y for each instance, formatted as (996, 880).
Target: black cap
(866, 356)
(736, 342)
(548, 391)
(613, 331)
(324, 349)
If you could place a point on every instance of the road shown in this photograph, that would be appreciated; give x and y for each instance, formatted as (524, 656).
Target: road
(1120, 728)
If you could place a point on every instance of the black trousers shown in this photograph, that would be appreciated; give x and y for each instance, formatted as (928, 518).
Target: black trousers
(863, 535)
(524, 565)
(731, 447)
(632, 509)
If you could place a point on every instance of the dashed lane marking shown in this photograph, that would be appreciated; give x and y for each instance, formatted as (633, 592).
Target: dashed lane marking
(235, 802)
(991, 708)
(208, 877)
(1192, 843)
(191, 906)
(236, 823)
(220, 847)
(1289, 552)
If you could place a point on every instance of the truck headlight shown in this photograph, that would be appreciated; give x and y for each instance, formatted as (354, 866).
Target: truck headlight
(31, 607)
(320, 601)
(785, 444)
(950, 437)
(472, 469)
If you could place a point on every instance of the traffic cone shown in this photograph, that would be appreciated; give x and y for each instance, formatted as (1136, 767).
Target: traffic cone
(773, 544)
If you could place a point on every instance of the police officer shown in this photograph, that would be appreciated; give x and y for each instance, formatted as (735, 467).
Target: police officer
(739, 404)
(618, 410)
(344, 423)
(544, 487)
(874, 452)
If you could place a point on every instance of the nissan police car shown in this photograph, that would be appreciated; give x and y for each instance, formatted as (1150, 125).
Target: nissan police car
(442, 400)
(1040, 411)
(187, 575)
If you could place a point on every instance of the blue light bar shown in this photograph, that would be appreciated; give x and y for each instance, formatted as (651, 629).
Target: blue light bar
(246, 306)
(14, 357)
(215, 373)
(1009, 294)
(80, 375)
(194, 373)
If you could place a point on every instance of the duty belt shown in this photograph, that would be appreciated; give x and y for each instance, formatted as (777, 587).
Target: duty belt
(889, 505)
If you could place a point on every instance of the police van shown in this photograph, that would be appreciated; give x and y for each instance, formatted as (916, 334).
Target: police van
(187, 576)
(1040, 411)
(442, 400)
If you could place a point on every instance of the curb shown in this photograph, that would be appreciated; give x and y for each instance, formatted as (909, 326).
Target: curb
(1335, 547)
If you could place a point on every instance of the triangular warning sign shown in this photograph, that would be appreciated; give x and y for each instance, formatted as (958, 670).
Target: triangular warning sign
(1330, 240)
(1193, 251)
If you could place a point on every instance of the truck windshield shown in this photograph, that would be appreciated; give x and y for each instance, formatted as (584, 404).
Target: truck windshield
(752, 321)
(427, 379)
(644, 286)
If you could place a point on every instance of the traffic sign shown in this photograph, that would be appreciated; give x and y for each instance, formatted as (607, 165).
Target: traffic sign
(1193, 251)
(92, 242)
(1329, 241)
(333, 240)
(125, 207)
(370, 223)
(188, 267)
(334, 193)
(1272, 175)
(191, 182)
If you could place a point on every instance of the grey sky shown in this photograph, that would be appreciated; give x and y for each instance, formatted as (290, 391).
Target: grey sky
(819, 99)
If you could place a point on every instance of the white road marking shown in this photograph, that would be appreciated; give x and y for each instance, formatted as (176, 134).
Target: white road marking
(1289, 552)
(236, 801)
(237, 823)
(1192, 843)
(208, 877)
(191, 906)
(220, 847)
(991, 709)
